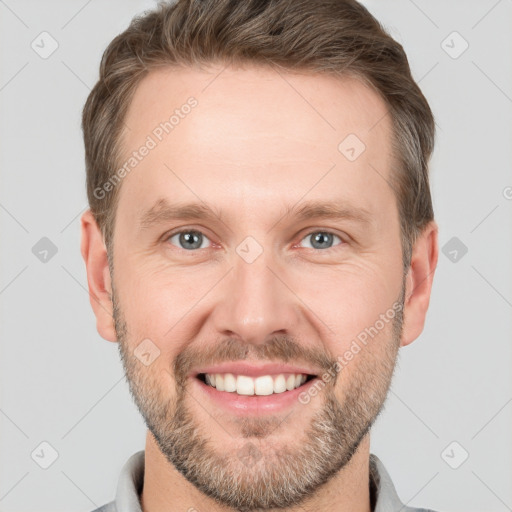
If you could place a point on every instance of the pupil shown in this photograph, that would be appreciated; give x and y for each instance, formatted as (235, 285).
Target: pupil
(325, 237)
(191, 239)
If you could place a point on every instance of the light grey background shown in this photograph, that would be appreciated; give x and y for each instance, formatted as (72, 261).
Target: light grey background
(61, 383)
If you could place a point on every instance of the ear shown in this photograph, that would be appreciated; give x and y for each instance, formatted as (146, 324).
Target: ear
(419, 282)
(94, 254)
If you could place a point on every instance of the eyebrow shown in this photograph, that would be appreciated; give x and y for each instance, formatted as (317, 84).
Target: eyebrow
(162, 211)
(329, 210)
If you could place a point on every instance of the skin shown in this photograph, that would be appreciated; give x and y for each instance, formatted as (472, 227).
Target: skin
(257, 142)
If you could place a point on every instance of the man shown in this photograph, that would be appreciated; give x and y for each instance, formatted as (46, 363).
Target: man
(260, 243)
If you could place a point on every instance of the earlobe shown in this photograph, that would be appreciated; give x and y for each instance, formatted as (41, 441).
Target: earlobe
(419, 281)
(94, 254)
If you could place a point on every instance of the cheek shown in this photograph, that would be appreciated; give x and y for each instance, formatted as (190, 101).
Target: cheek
(366, 362)
(349, 300)
(159, 303)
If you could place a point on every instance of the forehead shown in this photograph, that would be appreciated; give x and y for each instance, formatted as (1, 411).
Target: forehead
(255, 134)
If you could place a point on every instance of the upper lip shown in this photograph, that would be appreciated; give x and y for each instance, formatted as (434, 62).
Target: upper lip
(254, 369)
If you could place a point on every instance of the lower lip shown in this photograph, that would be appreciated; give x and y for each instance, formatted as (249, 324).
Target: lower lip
(254, 404)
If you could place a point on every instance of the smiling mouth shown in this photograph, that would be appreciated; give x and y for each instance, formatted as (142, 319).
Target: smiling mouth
(255, 386)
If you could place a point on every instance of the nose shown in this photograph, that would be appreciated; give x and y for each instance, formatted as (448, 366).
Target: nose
(255, 302)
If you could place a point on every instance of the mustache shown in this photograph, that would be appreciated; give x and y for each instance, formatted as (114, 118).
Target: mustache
(278, 349)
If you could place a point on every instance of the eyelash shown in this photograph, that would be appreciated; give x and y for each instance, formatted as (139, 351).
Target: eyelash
(324, 231)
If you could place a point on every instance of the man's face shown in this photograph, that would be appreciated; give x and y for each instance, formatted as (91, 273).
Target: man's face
(256, 296)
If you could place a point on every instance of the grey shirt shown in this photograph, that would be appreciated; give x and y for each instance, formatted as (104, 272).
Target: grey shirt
(382, 491)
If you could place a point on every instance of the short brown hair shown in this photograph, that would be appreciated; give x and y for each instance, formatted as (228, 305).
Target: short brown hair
(338, 37)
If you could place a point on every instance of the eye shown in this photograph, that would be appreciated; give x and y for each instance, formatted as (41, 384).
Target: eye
(191, 239)
(188, 239)
(321, 239)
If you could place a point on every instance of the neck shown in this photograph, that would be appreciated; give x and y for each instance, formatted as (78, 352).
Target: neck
(165, 489)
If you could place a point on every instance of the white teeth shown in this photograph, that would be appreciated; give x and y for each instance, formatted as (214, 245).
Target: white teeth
(244, 385)
(263, 385)
(229, 382)
(279, 384)
(219, 382)
(290, 382)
